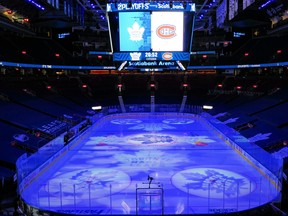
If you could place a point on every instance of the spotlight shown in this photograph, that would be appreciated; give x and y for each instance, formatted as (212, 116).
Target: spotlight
(98, 108)
(207, 107)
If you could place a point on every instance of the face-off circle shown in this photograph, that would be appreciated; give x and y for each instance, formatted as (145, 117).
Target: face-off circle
(126, 121)
(80, 182)
(178, 121)
(204, 182)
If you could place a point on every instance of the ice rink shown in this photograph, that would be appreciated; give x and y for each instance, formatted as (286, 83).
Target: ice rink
(150, 164)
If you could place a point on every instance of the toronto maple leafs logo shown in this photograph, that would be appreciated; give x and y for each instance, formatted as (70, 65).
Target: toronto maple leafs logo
(217, 182)
(220, 114)
(178, 121)
(135, 56)
(126, 121)
(259, 137)
(240, 139)
(230, 120)
(153, 139)
(213, 180)
(79, 182)
(86, 177)
(151, 127)
(136, 32)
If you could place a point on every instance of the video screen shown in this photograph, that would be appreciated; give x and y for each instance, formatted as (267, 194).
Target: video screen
(151, 31)
(135, 31)
(167, 31)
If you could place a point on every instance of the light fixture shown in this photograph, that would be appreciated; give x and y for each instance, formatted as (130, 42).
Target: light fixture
(97, 108)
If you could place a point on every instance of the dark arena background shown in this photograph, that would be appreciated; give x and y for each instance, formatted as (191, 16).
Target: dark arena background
(143, 107)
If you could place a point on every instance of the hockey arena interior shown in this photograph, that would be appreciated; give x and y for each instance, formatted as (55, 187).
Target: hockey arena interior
(143, 107)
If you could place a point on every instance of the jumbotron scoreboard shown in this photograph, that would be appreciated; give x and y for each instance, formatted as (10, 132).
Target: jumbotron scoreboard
(151, 31)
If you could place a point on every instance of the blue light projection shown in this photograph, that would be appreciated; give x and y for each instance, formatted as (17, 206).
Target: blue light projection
(178, 121)
(99, 180)
(216, 181)
(147, 139)
(151, 127)
(196, 168)
(36, 4)
(126, 121)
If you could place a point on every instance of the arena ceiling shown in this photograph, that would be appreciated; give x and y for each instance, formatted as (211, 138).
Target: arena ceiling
(204, 10)
(95, 13)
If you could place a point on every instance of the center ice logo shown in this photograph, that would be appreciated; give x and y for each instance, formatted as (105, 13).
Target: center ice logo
(166, 31)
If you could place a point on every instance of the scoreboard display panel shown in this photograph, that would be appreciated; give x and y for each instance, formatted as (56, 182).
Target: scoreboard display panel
(151, 31)
(167, 31)
(134, 31)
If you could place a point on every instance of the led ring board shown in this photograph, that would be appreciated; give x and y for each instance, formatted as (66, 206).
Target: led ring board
(151, 31)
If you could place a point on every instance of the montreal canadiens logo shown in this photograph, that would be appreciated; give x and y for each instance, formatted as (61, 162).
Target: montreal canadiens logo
(167, 56)
(166, 31)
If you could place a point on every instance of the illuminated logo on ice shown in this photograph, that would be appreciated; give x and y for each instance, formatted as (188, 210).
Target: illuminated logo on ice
(135, 56)
(136, 32)
(166, 31)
